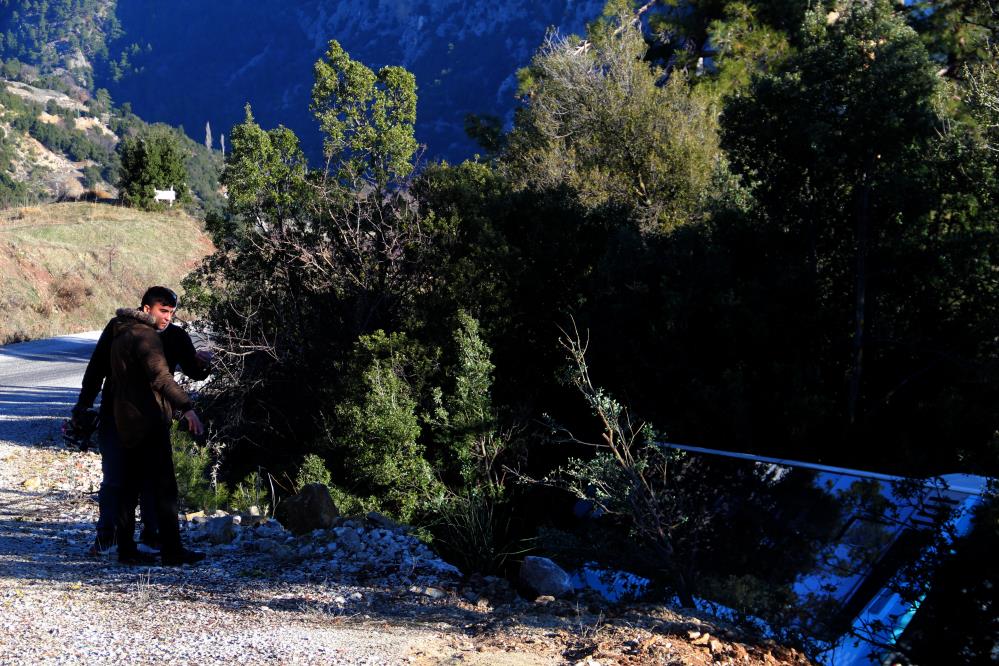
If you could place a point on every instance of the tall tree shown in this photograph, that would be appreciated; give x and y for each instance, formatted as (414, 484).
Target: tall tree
(264, 177)
(957, 32)
(822, 140)
(368, 119)
(601, 120)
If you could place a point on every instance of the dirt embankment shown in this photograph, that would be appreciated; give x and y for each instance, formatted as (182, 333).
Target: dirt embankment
(66, 267)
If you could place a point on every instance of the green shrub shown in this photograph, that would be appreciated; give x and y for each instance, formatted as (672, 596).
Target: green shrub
(474, 530)
(313, 470)
(463, 418)
(194, 466)
(351, 505)
(251, 491)
(380, 428)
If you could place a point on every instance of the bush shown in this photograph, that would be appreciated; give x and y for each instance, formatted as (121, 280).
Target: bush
(313, 470)
(91, 177)
(70, 292)
(195, 466)
(251, 491)
(380, 427)
(474, 530)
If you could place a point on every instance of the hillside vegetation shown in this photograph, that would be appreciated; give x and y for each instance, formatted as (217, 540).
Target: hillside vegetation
(66, 267)
(53, 147)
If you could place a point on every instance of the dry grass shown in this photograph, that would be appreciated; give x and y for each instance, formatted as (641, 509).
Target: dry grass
(66, 267)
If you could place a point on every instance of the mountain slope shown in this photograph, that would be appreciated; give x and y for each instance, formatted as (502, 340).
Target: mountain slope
(201, 62)
(51, 145)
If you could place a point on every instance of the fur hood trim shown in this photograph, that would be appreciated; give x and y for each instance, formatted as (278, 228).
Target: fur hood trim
(136, 314)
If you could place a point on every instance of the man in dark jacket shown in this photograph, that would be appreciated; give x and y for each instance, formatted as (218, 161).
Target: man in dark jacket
(159, 302)
(145, 397)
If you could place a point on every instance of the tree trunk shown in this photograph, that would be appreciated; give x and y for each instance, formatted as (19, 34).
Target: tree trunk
(862, 238)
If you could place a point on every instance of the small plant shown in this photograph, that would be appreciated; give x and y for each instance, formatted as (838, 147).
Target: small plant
(197, 486)
(142, 591)
(474, 530)
(313, 470)
(251, 491)
(633, 478)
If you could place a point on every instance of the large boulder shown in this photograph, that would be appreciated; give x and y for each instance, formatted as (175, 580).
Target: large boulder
(543, 577)
(311, 509)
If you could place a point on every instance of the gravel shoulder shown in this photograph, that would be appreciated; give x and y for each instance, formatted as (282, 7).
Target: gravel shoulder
(59, 606)
(357, 594)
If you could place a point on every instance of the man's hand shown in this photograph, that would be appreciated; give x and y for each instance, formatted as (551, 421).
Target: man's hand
(204, 358)
(75, 414)
(194, 425)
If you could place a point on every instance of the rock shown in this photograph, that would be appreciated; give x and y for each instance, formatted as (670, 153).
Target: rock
(250, 520)
(265, 545)
(221, 530)
(311, 509)
(348, 539)
(544, 600)
(715, 646)
(34, 483)
(384, 522)
(253, 510)
(544, 577)
(432, 592)
(270, 528)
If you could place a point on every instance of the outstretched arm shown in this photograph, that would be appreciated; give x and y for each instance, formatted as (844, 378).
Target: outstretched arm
(194, 364)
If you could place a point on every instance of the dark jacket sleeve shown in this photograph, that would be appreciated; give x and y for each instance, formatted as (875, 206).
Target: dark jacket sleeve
(150, 353)
(186, 355)
(98, 368)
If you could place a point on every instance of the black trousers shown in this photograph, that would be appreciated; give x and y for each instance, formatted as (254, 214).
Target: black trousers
(113, 468)
(149, 465)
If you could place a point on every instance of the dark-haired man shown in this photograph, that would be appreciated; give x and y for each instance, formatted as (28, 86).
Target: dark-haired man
(158, 303)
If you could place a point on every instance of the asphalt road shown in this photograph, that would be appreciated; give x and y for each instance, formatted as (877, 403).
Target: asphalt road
(39, 384)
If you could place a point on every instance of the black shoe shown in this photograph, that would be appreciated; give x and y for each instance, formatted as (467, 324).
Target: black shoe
(181, 557)
(150, 540)
(136, 558)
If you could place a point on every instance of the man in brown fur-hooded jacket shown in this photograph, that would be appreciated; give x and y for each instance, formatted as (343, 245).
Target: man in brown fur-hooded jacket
(145, 396)
(159, 302)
